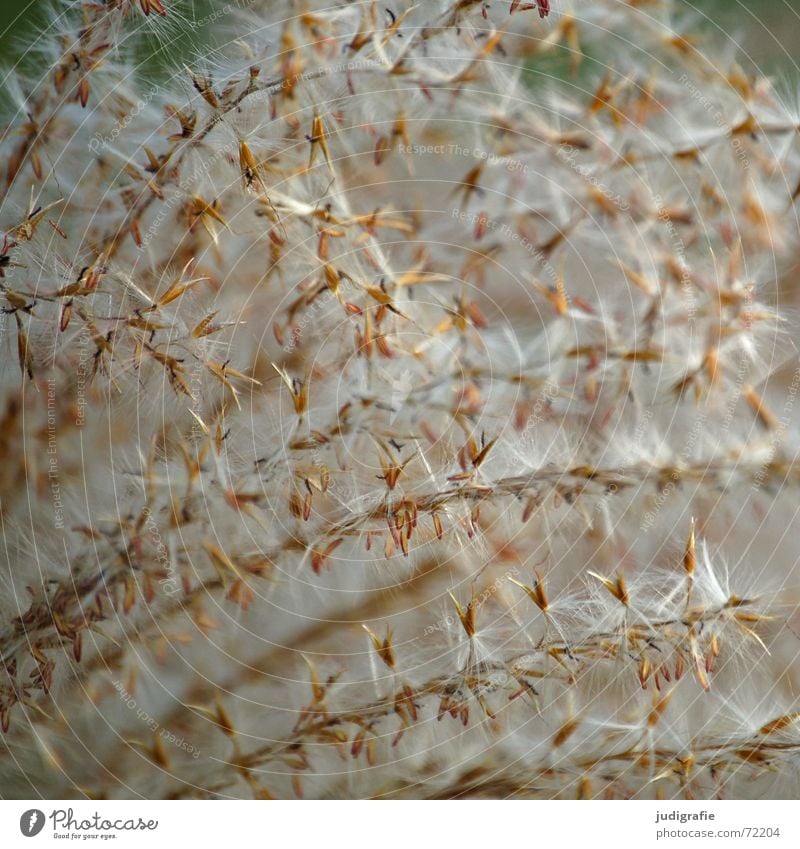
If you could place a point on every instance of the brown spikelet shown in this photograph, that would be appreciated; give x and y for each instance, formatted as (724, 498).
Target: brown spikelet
(383, 648)
(466, 616)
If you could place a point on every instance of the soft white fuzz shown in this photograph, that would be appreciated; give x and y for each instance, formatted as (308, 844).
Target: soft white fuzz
(380, 418)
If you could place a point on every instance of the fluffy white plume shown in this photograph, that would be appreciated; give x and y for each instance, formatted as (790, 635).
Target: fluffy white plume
(381, 417)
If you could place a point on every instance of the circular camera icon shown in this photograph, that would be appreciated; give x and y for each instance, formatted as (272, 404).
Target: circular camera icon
(31, 822)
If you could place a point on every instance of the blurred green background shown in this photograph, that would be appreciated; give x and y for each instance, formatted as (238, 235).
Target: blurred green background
(767, 33)
(172, 41)
(767, 30)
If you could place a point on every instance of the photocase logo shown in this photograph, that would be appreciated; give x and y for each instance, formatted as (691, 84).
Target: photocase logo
(31, 822)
